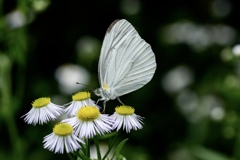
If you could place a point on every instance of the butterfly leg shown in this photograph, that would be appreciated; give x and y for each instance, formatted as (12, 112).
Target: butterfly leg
(104, 106)
(98, 101)
(120, 101)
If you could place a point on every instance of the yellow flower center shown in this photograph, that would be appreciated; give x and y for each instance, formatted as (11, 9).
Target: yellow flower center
(88, 113)
(41, 102)
(62, 129)
(125, 110)
(81, 96)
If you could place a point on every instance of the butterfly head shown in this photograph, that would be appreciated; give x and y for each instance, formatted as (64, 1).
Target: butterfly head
(105, 92)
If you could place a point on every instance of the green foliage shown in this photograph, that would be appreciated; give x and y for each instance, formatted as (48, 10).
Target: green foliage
(199, 121)
(118, 149)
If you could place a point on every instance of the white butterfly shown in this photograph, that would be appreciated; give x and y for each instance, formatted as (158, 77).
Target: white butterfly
(126, 62)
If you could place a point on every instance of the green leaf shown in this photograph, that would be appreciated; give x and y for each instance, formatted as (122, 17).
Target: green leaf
(111, 144)
(119, 147)
(82, 156)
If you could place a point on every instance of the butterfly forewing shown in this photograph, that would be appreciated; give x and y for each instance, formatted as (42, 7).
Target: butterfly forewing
(116, 34)
(126, 62)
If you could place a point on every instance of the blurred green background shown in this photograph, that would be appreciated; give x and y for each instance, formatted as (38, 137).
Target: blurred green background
(191, 106)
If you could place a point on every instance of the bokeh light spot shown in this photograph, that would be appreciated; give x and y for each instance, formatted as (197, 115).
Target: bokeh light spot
(68, 75)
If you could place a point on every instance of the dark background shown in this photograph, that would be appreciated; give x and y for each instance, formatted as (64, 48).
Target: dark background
(191, 106)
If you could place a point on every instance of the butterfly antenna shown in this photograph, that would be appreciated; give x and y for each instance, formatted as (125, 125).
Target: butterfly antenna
(85, 85)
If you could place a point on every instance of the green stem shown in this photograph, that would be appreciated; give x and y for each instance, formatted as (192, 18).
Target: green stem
(110, 146)
(97, 147)
(87, 148)
(236, 154)
(7, 107)
(14, 138)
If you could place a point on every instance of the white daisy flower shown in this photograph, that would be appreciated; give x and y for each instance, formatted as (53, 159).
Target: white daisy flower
(80, 99)
(89, 121)
(62, 138)
(125, 117)
(43, 110)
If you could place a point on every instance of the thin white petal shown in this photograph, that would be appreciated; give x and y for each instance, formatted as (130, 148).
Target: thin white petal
(57, 144)
(43, 115)
(89, 129)
(127, 122)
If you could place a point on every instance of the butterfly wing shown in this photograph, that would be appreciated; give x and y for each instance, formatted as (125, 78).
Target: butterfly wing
(126, 62)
